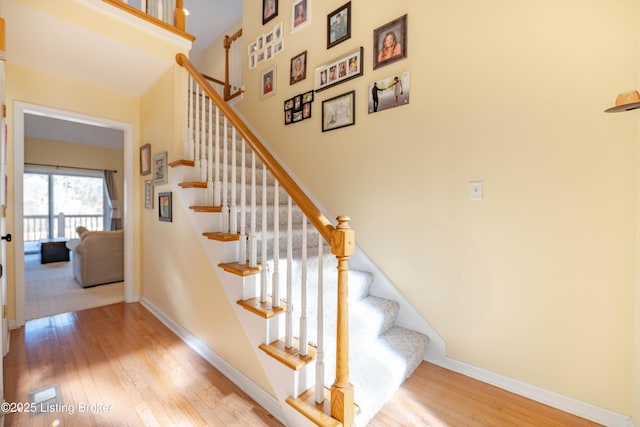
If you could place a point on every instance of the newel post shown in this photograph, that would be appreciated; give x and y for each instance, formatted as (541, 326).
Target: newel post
(342, 246)
(178, 16)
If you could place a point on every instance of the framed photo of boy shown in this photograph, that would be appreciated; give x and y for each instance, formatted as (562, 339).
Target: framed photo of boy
(301, 13)
(390, 42)
(268, 82)
(339, 25)
(298, 68)
(269, 10)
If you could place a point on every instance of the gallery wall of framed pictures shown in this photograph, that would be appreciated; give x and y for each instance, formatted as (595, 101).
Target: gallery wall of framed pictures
(389, 46)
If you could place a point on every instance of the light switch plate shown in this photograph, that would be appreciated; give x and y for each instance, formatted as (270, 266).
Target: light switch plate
(475, 190)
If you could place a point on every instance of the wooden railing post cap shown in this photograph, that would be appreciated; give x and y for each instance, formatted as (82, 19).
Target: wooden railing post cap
(180, 58)
(344, 238)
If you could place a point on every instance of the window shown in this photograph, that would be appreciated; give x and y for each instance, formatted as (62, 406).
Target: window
(55, 204)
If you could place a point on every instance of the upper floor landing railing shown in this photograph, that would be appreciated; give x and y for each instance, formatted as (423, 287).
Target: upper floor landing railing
(167, 14)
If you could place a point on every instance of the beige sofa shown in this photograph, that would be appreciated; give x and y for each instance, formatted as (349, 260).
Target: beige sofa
(98, 258)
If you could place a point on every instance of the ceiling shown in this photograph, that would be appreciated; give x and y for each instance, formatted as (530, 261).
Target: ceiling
(38, 46)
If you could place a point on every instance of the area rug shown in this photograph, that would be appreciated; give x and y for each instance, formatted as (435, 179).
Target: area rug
(51, 289)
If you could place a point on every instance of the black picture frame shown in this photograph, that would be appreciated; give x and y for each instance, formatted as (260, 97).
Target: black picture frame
(298, 108)
(396, 30)
(339, 111)
(297, 74)
(339, 25)
(165, 207)
(269, 10)
(331, 73)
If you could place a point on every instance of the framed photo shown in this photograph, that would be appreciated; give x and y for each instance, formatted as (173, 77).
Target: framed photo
(389, 93)
(164, 207)
(298, 108)
(339, 70)
(145, 159)
(390, 42)
(301, 13)
(268, 82)
(298, 68)
(277, 32)
(339, 25)
(160, 168)
(269, 10)
(278, 46)
(148, 194)
(339, 111)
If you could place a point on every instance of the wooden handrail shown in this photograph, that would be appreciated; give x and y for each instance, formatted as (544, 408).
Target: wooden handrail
(155, 21)
(213, 79)
(319, 221)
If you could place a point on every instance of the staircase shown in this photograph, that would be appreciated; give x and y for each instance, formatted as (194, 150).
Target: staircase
(284, 267)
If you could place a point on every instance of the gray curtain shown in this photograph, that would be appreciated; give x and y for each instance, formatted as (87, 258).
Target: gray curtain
(112, 192)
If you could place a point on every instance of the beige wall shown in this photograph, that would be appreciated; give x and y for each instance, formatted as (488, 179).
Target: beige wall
(50, 152)
(177, 275)
(536, 281)
(39, 88)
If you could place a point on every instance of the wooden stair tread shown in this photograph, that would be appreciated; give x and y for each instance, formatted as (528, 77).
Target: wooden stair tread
(193, 184)
(221, 237)
(318, 413)
(240, 269)
(206, 208)
(262, 309)
(181, 162)
(291, 357)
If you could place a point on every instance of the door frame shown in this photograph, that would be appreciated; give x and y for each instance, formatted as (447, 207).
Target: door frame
(19, 111)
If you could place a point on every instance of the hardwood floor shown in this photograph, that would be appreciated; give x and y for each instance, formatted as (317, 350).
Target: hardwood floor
(121, 357)
(138, 373)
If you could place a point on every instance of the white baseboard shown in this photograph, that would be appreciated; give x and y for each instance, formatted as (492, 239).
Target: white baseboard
(573, 406)
(263, 398)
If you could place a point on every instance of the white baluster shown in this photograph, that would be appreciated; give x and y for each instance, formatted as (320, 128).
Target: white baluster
(209, 198)
(185, 141)
(190, 142)
(288, 335)
(217, 191)
(253, 250)
(196, 132)
(224, 226)
(243, 206)
(263, 258)
(319, 392)
(203, 137)
(233, 226)
(303, 292)
(275, 292)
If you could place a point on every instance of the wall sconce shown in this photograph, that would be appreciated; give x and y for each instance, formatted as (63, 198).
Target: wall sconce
(625, 101)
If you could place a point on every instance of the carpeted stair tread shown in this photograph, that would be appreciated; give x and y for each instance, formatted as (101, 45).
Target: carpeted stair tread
(371, 317)
(409, 344)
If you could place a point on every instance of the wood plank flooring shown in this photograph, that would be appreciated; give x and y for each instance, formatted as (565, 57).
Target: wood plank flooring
(139, 373)
(121, 357)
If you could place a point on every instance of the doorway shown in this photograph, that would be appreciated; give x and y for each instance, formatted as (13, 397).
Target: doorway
(21, 112)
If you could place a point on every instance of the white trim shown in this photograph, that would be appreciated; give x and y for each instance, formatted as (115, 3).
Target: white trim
(263, 398)
(567, 404)
(19, 110)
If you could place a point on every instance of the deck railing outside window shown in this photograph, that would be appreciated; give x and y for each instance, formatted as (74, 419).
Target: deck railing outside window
(37, 227)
